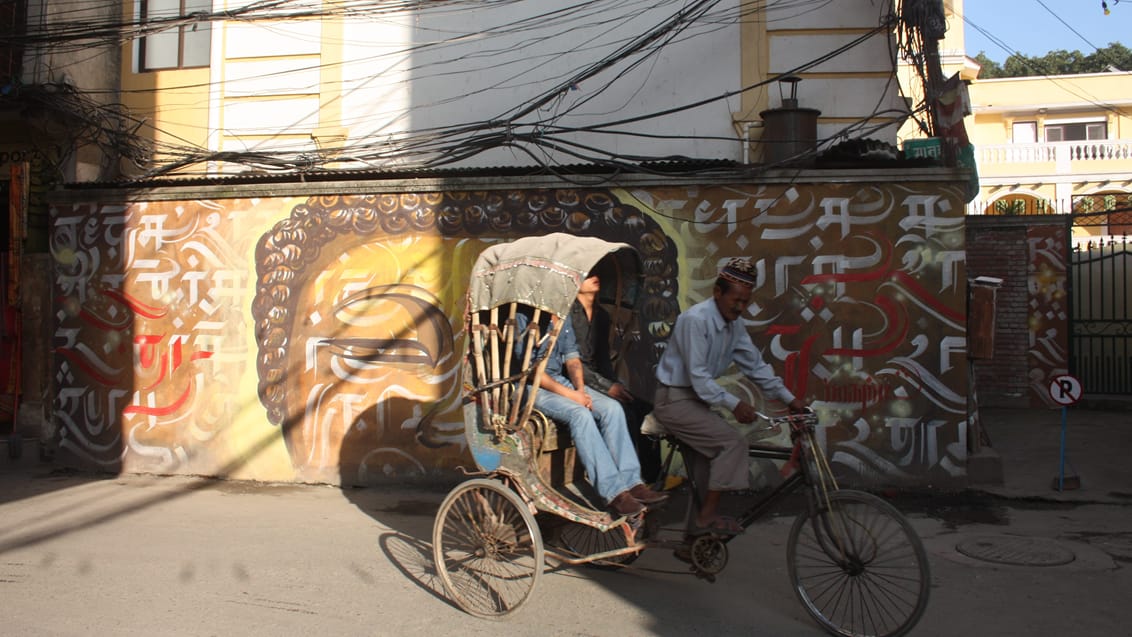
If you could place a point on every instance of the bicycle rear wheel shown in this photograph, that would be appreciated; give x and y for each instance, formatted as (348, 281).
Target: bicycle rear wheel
(487, 549)
(859, 568)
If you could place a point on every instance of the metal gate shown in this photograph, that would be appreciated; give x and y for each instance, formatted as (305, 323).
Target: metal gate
(1100, 341)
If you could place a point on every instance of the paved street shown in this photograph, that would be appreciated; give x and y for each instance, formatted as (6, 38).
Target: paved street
(139, 555)
(172, 556)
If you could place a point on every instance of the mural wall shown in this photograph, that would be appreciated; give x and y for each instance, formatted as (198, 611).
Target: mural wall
(1031, 344)
(318, 338)
(1048, 321)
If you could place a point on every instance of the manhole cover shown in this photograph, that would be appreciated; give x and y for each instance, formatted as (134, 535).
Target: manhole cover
(1021, 551)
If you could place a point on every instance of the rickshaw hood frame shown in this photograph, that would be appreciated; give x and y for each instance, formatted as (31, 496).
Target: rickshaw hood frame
(544, 271)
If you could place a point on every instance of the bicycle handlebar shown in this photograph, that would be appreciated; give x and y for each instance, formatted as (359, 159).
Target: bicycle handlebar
(794, 421)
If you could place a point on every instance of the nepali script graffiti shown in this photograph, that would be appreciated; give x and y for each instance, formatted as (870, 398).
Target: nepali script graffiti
(318, 338)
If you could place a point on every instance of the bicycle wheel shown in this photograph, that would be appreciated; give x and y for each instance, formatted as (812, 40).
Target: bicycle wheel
(860, 568)
(583, 540)
(487, 548)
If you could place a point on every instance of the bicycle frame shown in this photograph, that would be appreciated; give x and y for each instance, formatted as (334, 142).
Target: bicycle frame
(855, 563)
(801, 433)
(786, 487)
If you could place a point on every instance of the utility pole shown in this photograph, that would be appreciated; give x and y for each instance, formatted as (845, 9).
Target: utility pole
(934, 72)
(927, 17)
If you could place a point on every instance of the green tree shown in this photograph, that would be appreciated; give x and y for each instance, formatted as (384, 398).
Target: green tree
(1115, 55)
(1018, 65)
(990, 69)
(1059, 62)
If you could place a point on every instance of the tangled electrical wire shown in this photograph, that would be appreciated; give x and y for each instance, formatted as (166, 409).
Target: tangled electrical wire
(87, 121)
(536, 127)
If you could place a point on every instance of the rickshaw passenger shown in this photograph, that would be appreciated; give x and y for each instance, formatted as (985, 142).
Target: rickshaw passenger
(597, 426)
(706, 340)
(592, 326)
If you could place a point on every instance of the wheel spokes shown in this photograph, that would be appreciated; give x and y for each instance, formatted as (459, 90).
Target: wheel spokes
(858, 567)
(486, 548)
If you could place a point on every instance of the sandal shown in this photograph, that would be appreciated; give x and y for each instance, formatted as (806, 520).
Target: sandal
(721, 525)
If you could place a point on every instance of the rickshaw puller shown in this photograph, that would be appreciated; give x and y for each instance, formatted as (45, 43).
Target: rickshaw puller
(705, 341)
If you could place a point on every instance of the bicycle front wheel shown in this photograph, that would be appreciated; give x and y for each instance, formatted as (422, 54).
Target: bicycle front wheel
(487, 549)
(859, 568)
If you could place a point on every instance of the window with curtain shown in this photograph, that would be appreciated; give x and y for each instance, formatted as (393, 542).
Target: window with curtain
(1076, 131)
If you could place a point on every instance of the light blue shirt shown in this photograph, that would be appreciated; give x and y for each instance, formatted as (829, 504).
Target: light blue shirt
(703, 345)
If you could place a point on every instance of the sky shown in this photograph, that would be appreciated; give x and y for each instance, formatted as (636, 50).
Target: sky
(1033, 27)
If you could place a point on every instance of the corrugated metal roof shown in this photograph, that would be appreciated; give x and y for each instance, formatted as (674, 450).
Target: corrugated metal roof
(669, 167)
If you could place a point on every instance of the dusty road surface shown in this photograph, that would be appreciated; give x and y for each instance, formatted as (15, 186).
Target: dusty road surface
(90, 555)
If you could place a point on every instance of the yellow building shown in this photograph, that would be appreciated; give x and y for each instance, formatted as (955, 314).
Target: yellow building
(1043, 144)
(1054, 145)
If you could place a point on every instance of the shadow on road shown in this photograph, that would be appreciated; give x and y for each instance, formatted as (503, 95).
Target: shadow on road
(413, 557)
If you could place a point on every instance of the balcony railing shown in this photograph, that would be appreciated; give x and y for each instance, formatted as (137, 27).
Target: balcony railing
(1061, 154)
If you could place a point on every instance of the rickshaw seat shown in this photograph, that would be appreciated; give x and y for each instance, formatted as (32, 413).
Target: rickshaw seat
(558, 462)
(556, 437)
(652, 427)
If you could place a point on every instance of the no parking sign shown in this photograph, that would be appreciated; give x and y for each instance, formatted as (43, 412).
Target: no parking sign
(1065, 389)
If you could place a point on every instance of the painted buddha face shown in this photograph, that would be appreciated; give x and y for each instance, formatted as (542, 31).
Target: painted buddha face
(358, 309)
(373, 361)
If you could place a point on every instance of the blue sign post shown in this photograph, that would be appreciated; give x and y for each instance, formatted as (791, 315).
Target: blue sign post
(1064, 390)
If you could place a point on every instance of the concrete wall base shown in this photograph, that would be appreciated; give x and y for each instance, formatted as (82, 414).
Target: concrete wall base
(984, 467)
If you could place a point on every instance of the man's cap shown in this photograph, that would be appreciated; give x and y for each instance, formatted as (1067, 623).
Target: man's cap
(739, 270)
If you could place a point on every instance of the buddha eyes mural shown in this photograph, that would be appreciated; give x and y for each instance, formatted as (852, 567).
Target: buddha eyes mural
(320, 338)
(366, 368)
(359, 308)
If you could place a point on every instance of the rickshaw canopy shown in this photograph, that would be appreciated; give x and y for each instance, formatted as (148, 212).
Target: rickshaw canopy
(545, 271)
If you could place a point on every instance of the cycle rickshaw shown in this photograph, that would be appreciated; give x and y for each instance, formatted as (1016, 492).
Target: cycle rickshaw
(854, 561)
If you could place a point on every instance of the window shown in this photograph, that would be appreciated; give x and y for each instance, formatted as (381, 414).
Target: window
(1025, 132)
(1076, 131)
(180, 46)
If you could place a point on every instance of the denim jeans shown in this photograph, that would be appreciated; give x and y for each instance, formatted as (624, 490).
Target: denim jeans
(601, 439)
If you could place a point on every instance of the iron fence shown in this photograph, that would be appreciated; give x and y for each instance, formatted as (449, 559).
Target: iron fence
(1100, 326)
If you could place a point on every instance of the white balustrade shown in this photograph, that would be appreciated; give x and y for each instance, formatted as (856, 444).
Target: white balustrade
(1060, 153)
